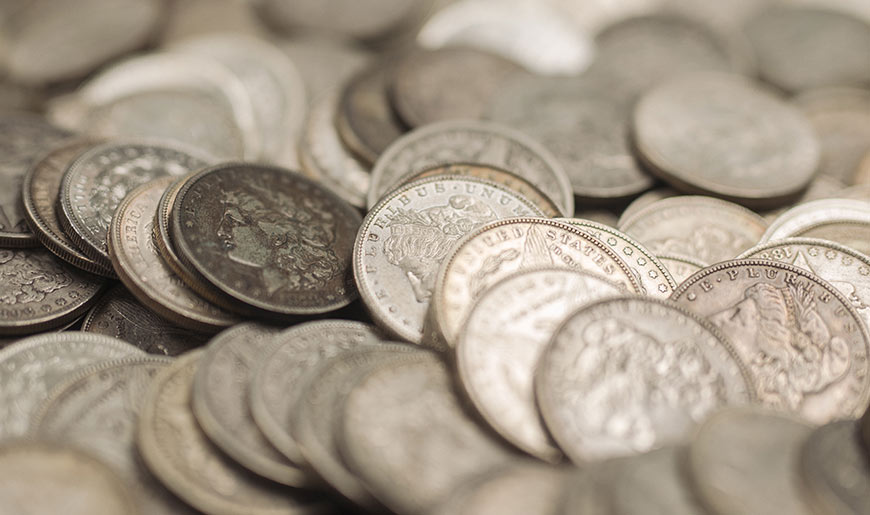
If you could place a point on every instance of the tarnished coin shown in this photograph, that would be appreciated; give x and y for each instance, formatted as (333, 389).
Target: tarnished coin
(843, 221)
(407, 437)
(120, 315)
(41, 189)
(33, 366)
(137, 262)
(324, 158)
(98, 180)
(703, 228)
(404, 239)
(180, 455)
(41, 478)
(804, 343)
(278, 375)
(502, 338)
(25, 138)
(268, 238)
(655, 280)
(494, 174)
(836, 469)
(680, 267)
(583, 122)
(471, 142)
(652, 484)
(365, 119)
(494, 251)
(865, 429)
(633, 374)
(745, 460)
(316, 424)
(449, 83)
(220, 402)
(368, 19)
(803, 47)
(726, 136)
(97, 410)
(38, 291)
(324, 63)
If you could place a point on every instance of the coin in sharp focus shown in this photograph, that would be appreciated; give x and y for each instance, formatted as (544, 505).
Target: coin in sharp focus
(324, 63)
(33, 366)
(498, 249)
(802, 340)
(324, 158)
(843, 221)
(94, 32)
(835, 468)
(365, 119)
(803, 47)
(181, 456)
(494, 174)
(220, 402)
(846, 269)
(97, 411)
(680, 267)
(271, 80)
(98, 180)
(316, 424)
(279, 373)
(25, 138)
(405, 434)
(583, 122)
(38, 291)
(137, 262)
(430, 86)
(518, 489)
(841, 119)
(502, 338)
(477, 142)
(41, 189)
(703, 228)
(655, 280)
(404, 239)
(274, 241)
(746, 460)
(725, 136)
(614, 380)
(43, 478)
(120, 315)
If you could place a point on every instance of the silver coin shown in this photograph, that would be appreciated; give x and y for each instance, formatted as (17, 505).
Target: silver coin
(502, 338)
(189, 18)
(652, 484)
(33, 366)
(181, 456)
(836, 470)
(644, 200)
(680, 267)
(278, 376)
(498, 249)
(404, 239)
(406, 436)
(324, 63)
(471, 142)
(220, 402)
(629, 375)
(97, 410)
(744, 460)
(844, 221)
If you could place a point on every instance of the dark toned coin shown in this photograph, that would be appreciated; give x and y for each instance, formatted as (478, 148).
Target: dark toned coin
(38, 291)
(24, 138)
(99, 179)
(40, 191)
(270, 239)
(119, 314)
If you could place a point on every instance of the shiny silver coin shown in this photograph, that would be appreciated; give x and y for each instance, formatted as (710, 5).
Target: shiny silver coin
(680, 267)
(843, 221)
(836, 469)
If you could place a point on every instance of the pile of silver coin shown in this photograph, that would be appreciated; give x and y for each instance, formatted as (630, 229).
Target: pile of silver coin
(435, 257)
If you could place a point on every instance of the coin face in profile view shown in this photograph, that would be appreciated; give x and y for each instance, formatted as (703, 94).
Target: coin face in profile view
(804, 343)
(844, 221)
(271, 239)
(601, 381)
(835, 467)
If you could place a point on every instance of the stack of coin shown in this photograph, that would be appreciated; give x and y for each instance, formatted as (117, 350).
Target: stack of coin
(435, 257)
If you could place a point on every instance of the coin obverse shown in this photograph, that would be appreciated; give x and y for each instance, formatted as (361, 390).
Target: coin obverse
(835, 467)
(268, 238)
(42, 478)
(804, 343)
(404, 239)
(680, 267)
(724, 135)
(615, 379)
